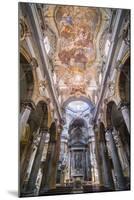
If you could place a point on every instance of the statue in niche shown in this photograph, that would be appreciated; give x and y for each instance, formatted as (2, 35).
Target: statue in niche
(78, 160)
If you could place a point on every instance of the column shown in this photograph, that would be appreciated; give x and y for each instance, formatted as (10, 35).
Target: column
(24, 118)
(124, 161)
(68, 164)
(89, 164)
(63, 158)
(116, 162)
(37, 162)
(91, 161)
(70, 169)
(33, 151)
(98, 157)
(125, 113)
(23, 160)
(122, 153)
(62, 177)
(52, 182)
(50, 168)
(94, 164)
(47, 168)
(88, 167)
(107, 174)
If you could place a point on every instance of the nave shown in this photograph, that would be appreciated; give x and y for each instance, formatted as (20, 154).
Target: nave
(74, 120)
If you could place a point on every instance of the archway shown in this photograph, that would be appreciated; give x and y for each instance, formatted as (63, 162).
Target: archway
(115, 119)
(113, 115)
(81, 98)
(124, 82)
(124, 92)
(74, 163)
(78, 143)
(118, 144)
(39, 117)
(38, 121)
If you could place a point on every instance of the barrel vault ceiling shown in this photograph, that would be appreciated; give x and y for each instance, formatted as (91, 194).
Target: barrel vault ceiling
(76, 42)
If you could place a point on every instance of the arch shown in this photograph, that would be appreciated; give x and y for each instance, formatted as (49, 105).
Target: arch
(23, 28)
(109, 112)
(81, 98)
(25, 53)
(105, 104)
(78, 122)
(114, 119)
(41, 98)
(124, 59)
(39, 116)
(78, 132)
(45, 100)
(113, 115)
(124, 82)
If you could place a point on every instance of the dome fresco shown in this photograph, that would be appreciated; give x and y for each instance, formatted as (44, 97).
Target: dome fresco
(78, 106)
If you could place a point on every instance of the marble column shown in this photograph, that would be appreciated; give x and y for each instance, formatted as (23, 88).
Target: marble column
(24, 118)
(52, 182)
(23, 160)
(116, 161)
(107, 174)
(91, 161)
(37, 162)
(62, 177)
(124, 161)
(125, 113)
(33, 151)
(70, 162)
(122, 153)
(94, 164)
(47, 172)
(50, 168)
(88, 164)
(98, 156)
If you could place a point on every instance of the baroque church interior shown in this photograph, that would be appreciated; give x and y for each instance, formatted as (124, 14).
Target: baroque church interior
(74, 123)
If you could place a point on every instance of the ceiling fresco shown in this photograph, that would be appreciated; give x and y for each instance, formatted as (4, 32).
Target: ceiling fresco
(77, 58)
(78, 28)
